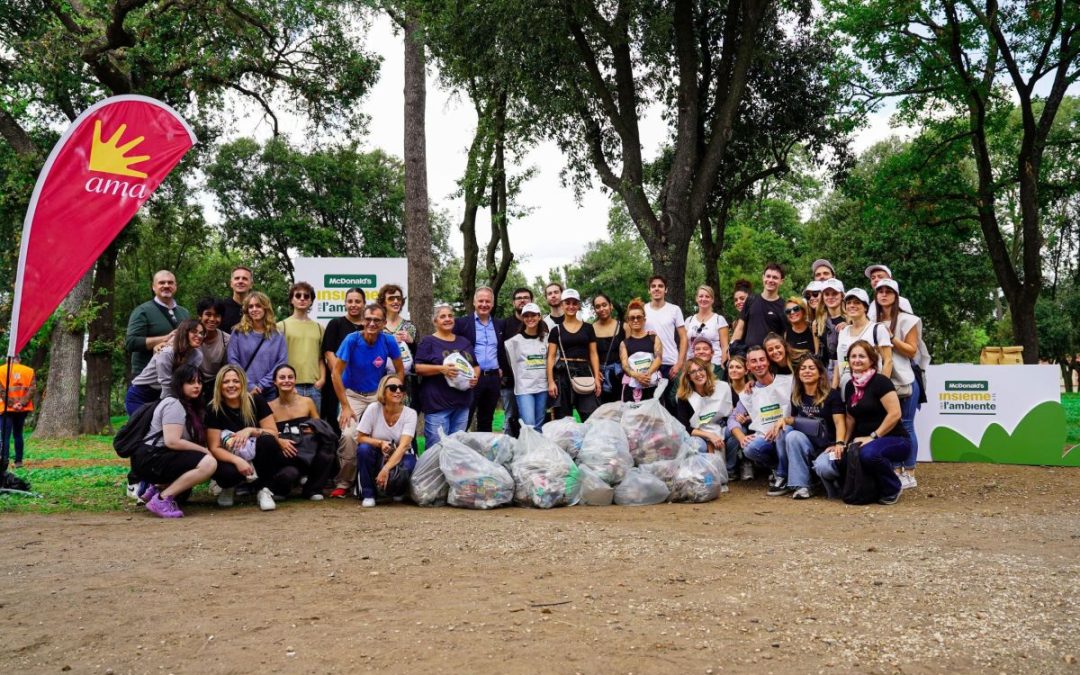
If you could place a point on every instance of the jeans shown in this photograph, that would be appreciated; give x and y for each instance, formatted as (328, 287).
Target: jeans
(908, 408)
(11, 423)
(765, 453)
(733, 450)
(311, 392)
(443, 423)
(531, 408)
(798, 452)
(138, 395)
(828, 470)
(369, 462)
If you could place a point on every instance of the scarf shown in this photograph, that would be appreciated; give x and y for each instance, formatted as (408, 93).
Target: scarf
(860, 382)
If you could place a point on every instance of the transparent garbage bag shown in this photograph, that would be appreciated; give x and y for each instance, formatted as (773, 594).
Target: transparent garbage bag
(544, 475)
(652, 432)
(640, 488)
(475, 481)
(499, 448)
(605, 450)
(594, 490)
(427, 485)
(697, 479)
(567, 434)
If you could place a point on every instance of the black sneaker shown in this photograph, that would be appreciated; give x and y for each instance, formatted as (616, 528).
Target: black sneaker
(778, 488)
(889, 501)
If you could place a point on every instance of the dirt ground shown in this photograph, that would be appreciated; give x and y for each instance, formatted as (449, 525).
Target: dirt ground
(974, 571)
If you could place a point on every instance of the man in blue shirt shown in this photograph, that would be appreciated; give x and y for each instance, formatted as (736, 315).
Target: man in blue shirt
(485, 332)
(361, 363)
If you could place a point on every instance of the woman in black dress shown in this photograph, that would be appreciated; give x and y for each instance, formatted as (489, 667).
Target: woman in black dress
(609, 335)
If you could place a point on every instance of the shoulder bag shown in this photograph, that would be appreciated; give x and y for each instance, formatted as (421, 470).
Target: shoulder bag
(813, 428)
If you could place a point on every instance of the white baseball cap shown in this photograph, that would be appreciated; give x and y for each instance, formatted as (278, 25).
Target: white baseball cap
(859, 294)
(870, 270)
(888, 283)
(833, 284)
(570, 294)
(530, 308)
(814, 287)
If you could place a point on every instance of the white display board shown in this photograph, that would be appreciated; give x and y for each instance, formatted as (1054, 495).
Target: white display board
(975, 413)
(333, 277)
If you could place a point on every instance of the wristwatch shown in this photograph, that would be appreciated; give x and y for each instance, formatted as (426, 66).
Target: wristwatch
(873, 435)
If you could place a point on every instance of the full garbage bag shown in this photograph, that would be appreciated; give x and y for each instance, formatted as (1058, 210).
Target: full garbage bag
(499, 448)
(609, 411)
(567, 434)
(605, 450)
(427, 485)
(640, 488)
(652, 432)
(475, 481)
(594, 491)
(697, 479)
(544, 475)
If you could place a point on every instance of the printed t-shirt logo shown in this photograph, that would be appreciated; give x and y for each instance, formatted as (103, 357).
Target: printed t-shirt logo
(535, 362)
(770, 413)
(379, 362)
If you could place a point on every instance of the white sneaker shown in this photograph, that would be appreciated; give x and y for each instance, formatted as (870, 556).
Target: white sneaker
(907, 481)
(368, 503)
(266, 500)
(746, 472)
(133, 491)
(227, 497)
(215, 489)
(317, 497)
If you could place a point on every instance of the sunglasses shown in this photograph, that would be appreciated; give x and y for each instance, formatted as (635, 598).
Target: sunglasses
(811, 294)
(395, 388)
(635, 318)
(395, 298)
(368, 319)
(301, 296)
(792, 310)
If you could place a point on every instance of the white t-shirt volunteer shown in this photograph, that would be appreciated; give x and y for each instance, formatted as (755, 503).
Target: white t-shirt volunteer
(664, 322)
(528, 359)
(710, 330)
(373, 423)
(711, 412)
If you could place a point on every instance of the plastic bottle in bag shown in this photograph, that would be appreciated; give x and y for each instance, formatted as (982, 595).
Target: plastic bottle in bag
(499, 448)
(544, 475)
(475, 481)
(653, 434)
(696, 480)
(605, 450)
(566, 433)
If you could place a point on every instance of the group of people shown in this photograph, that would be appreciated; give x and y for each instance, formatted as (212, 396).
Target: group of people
(787, 386)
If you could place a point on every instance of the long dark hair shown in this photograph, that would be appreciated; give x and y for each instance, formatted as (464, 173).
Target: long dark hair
(182, 347)
(194, 408)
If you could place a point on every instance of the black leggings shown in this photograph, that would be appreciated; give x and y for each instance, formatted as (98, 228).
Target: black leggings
(161, 466)
(276, 471)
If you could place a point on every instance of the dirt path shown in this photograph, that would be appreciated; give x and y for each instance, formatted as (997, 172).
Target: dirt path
(976, 571)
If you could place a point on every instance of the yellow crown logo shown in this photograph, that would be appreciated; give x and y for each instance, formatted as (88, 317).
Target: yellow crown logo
(108, 158)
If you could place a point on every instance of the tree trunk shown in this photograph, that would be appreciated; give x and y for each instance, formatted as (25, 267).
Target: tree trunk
(1024, 329)
(59, 416)
(500, 221)
(417, 227)
(669, 252)
(1066, 375)
(712, 245)
(99, 352)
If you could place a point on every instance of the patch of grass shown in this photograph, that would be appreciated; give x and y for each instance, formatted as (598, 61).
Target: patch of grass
(1071, 403)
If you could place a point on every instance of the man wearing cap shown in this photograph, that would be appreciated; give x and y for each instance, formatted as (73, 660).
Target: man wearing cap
(763, 312)
(767, 403)
(485, 332)
(511, 327)
(822, 269)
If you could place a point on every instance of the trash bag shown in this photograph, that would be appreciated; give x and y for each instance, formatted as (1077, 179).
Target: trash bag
(609, 411)
(652, 432)
(475, 481)
(605, 450)
(696, 480)
(428, 486)
(640, 488)
(499, 448)
(566, 433)
(544, 475)
(664, 469)
(594, 491)
(463, 371)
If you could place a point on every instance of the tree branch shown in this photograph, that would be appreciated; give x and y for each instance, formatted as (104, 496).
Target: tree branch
(16, 136)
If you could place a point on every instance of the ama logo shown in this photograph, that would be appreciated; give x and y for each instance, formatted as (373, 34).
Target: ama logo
(112, 158)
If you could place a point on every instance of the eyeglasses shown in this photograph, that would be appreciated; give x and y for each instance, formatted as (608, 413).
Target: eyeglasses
(526, 298)
(635, 318)
(697, 371)
(395, 388)
(395, 298)
(368, 319)
(301, 296)
(792, 310)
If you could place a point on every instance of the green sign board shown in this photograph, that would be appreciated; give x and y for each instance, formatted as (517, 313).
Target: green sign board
(349, 281)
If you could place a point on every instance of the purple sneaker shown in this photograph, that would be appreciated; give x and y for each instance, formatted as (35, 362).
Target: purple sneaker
(164, 507)
(148, 493)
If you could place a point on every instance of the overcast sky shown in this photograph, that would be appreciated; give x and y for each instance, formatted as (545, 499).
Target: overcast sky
(557, 227)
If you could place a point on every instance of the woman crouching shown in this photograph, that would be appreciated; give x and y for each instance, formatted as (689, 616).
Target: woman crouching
(384, 442)
(174, 457)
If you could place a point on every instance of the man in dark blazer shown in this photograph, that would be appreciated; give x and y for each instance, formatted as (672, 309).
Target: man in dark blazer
(485, 332)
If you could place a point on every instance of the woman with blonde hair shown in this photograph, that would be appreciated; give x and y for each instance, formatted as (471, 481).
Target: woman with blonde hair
(709, 325)
(829, 320)
(703, 404)
(257, 346)
(384, 456)
(799, 334)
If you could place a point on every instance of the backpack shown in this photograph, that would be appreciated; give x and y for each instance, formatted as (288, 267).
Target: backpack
(130, 436)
